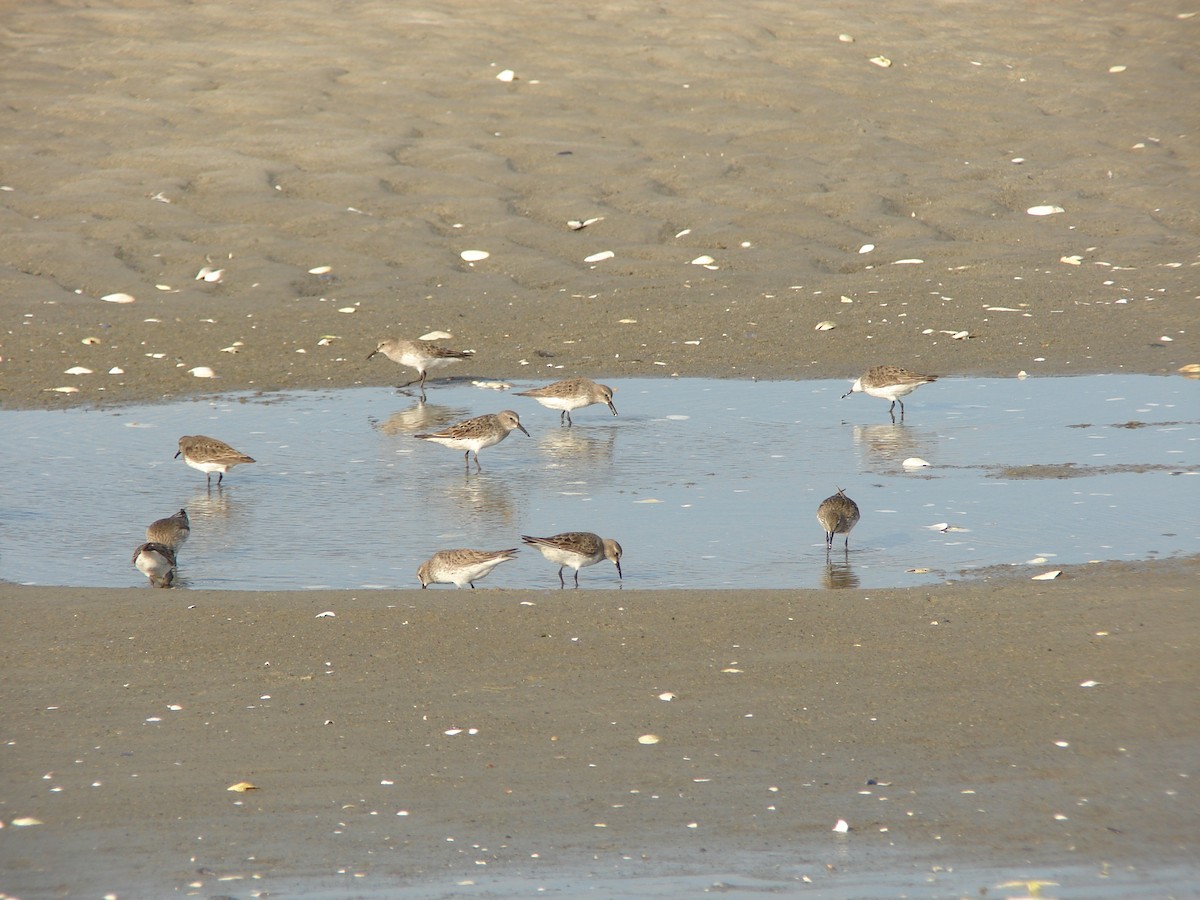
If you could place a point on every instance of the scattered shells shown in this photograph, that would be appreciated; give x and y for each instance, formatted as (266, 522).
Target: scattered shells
(90, 341)
(578, 224)
(474, 255)
(915, 462)
(841, 827)
(960, 336)
(320, 270)
(649, 739)
(116, 370)
(1044, 210)
(825, 326)
(241, 787)
(1048, 576)
(703, 261)
(118, 298)
(866, 248)
(78, 370)
(506, 75)
(1073, 260)
(598, 257)
(202, 372)
(882, 61)
(208, 273)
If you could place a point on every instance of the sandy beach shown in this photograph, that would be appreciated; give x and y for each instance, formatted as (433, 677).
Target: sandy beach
(746, 175)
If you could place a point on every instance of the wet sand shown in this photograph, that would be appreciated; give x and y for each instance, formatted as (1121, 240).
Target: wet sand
(144, 141)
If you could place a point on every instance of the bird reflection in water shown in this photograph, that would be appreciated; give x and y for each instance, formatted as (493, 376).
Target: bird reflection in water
(838, 573)
(419, 417)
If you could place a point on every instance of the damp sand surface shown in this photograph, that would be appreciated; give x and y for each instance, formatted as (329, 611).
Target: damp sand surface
(145, 142)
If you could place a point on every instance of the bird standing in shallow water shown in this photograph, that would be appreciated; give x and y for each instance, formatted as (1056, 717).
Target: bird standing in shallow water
(171, 531)
(419, 355)
(210, 455)
(838, 515)
(472, 435)
(569, 394)
(156, 562)
(459, 567)
(889, 383)
(577, 550)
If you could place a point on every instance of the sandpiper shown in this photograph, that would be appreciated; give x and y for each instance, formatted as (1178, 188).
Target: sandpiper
(838, 515)
(210, 455)
(461, 566)
(569, 394)
(472, 435)
(419, 355)
(156, 562)
(576, 550)
(889, 383)
(171, 531)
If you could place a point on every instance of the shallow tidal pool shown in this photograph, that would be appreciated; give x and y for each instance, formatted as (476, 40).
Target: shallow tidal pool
(705, 483)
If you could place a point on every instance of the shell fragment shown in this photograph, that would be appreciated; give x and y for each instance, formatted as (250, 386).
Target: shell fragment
(1044, 210)
(474, 255)
(599, 257)
(118, 298)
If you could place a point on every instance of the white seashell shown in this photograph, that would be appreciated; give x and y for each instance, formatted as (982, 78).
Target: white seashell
(65, 390)
(116, 370)
(846, 38)
(320, 270)
(703, 261)
(1047, 576)
(1088, 683)
(841, 827)
(1044, 210)
(866, 248)
(1017, 160)
(882, 61)
(915, 462)
(921, 571)
(208, 273)
(348, 309)
(163, 287)
(825, 326)
(202, 372)
(90, 340)
(1022, 374)
(453, 731)
(634, 322)
(492, 385)
(118, 298)
(960, 335)
(1167, 339)
(232, 349)
(436, 336)
(26, 821)
(577, 224)
(328, 614)
(680, 234)
(474, 255)
(506, 75)
(908, 262)
(1116, 69)
(940, 526)
(667, 696)
(78, 370)
(1075, 260)
(649, 739)
(597, 257)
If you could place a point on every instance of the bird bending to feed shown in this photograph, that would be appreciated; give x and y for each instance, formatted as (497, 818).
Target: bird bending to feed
(210, 455)
(419, 355)
(577, 550)
(889, 383)
(838, 515)
(472, 435)
(462, 566)
(156, 562)
(171, 531)
(569, 394)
